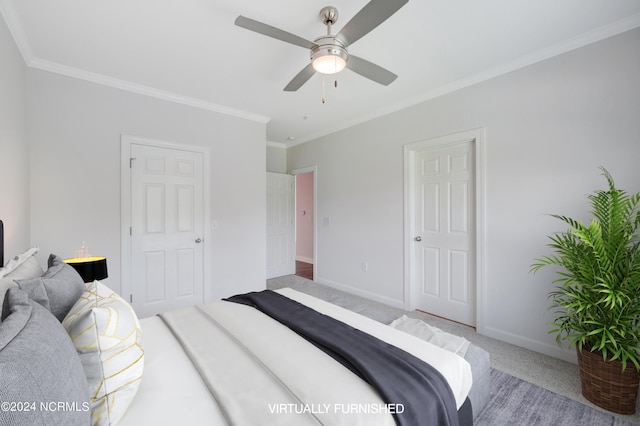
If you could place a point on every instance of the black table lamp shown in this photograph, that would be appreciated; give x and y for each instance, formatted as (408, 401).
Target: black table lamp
(90, 268)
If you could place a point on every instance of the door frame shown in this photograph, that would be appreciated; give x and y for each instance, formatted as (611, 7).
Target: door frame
(477, 136)
(312, 169)
(126, 141)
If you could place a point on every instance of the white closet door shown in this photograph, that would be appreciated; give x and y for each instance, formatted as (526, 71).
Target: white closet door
(281, 229)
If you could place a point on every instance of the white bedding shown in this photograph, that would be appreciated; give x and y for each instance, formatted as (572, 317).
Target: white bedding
(172, 391)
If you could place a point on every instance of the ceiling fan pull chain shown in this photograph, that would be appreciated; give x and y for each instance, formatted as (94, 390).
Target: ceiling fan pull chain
(323, 100)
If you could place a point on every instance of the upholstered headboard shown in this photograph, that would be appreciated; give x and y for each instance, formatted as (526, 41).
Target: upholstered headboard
(1, 244)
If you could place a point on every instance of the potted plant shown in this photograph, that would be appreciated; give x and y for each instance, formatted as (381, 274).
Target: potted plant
(597, 296)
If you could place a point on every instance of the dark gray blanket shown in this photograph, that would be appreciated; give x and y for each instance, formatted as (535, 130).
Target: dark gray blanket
(399, 377)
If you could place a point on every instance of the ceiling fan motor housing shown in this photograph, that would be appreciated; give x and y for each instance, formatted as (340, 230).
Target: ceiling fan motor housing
(329, 56)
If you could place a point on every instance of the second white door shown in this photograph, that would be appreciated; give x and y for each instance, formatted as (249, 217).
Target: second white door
(443, 267)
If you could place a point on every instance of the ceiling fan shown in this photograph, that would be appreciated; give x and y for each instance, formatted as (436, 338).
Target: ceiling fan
(329, 53)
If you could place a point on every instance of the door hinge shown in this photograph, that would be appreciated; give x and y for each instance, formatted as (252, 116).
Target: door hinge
(130, 230)
(131, 298)
(131, 162)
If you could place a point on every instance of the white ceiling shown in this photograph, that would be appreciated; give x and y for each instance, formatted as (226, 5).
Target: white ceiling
(191, 52)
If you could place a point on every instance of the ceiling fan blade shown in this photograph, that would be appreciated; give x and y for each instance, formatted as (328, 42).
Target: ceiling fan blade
(370, 70)
(273, 32)
(301, 78)
(370, 16)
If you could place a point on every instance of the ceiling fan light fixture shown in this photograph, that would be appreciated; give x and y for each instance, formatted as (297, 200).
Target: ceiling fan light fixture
(329, 64)
(328, 56)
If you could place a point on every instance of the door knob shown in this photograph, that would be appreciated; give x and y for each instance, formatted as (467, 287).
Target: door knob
(418, 238)
(198, 240)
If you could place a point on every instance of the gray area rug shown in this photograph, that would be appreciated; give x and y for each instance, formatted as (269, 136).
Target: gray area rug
(516, 402)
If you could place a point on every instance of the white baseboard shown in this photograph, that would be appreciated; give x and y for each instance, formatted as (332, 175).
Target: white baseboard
(551, 350)
(304, 259)
(362, 293)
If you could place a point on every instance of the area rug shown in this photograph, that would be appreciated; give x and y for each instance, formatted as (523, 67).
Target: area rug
(516, 402)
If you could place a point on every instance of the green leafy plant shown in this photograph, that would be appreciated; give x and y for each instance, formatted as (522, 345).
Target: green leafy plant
(599, 277)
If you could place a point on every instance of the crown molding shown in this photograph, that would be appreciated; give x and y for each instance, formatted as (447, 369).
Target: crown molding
(276, 144)
(590, 37)
(142, 90)
(22, 42)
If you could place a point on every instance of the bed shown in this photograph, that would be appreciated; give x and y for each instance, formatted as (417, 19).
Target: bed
(232, 362)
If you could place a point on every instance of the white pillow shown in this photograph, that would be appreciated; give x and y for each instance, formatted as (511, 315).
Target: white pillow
(17, 261)
(424, 331)
(23, 266)
(30, 268)
(106, 333)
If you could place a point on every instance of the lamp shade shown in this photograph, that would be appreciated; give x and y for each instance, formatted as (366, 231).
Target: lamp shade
(90, 268)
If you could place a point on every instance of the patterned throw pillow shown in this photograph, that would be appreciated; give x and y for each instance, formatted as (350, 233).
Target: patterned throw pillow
(106, 333)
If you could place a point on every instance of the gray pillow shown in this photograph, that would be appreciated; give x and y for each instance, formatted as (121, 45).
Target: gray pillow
(57, 290)
(6, 284)
(39, 366)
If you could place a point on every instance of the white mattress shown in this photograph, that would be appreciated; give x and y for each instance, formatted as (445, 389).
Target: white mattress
(172, 391)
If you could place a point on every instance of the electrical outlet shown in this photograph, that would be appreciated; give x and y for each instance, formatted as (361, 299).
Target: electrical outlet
(365, 266)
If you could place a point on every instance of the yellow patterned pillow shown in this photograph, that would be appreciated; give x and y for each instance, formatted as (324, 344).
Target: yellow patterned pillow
(106, 333)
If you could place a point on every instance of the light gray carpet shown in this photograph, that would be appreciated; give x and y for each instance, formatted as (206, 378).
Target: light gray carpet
(559, 377)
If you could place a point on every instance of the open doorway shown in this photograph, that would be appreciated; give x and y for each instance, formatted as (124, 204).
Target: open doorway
(305, 223)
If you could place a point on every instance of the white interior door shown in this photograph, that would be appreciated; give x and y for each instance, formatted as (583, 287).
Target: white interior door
(281, 229)
(167, 218)
(443, 269)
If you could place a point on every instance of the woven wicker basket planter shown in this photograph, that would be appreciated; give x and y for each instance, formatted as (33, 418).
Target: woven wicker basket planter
(606, 385)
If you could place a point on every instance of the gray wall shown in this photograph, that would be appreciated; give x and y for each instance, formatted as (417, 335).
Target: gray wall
(74, 130)
(276, 158)
(14, 151)
(548, 128)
